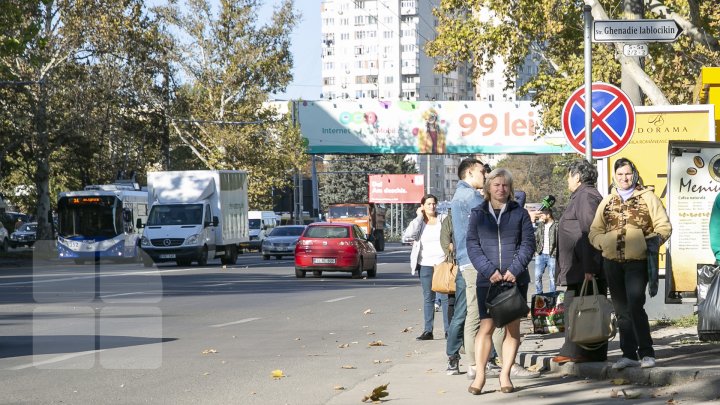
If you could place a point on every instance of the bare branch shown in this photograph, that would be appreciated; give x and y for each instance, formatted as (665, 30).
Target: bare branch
(697, 34)
(189, 145)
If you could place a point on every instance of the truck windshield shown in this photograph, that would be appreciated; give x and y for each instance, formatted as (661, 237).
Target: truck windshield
(175, 214)
(255, 223)
(89, 216)
(348, 212)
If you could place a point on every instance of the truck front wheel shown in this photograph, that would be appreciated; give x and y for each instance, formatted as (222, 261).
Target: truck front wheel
(203, 258)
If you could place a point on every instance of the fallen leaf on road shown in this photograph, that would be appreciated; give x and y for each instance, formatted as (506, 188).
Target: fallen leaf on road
(370, 333)
(209, 351)
(536, 367)
(619, 381)
(613, 393)
(377, 394)
(442, 392)
(630, 396)
(377, 343)
(348, 367)
(277, 374)
(206, 373)
(338, 388)
(368, 311)
(297, 338)
(344, 345)
(376, 361)
(408, 329)
(671, 401)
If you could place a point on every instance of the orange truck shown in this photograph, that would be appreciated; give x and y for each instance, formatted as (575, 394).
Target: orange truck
(369, 217)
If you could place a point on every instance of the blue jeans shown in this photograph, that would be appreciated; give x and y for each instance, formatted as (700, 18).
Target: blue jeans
(457, 324)
(541, 262)
(425, 273)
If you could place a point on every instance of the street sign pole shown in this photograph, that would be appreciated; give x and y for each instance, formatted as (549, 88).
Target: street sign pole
(587, 11)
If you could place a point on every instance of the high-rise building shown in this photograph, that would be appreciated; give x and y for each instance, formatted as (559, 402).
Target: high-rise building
(374, 49)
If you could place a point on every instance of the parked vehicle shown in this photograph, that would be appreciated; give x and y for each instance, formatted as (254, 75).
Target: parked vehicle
(9, 219)
(260, 224)
(328, 246)
(281, 241)
(195, 215)
(97, 222)
(4, 240)
(25, 236)
(369, 217)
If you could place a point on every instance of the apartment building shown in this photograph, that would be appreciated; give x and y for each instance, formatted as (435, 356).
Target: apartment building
(374, 49)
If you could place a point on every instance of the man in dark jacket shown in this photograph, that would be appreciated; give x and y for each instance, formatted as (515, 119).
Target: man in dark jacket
(577, 258)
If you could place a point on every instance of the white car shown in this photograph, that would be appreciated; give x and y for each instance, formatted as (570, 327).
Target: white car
(4, 241)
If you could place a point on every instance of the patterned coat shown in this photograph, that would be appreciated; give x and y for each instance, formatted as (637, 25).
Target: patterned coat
(619, 229)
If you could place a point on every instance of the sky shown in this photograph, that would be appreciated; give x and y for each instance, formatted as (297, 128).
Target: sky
(305, 47)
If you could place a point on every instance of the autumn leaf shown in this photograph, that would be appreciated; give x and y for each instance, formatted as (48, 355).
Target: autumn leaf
(377, 343)
(630, 396)
(368, 311)
(338, 388)
(619, 381)
(277, 374)
(209, 351)
(343, 346)
(377, 394)
(348, 367)
(408, 329)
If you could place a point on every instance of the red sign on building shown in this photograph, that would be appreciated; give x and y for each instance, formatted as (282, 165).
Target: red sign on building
(396, 188)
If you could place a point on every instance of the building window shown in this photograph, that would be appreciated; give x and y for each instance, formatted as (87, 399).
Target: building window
(344, 21)
(359, 20)
(329, 81)
(491, 83)
(388, 34)
(359, 3)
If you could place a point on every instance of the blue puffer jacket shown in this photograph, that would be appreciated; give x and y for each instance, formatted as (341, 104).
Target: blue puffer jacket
(507, 246)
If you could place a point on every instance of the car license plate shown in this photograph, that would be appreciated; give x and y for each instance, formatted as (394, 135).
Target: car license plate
(322, 260)
(167, 256)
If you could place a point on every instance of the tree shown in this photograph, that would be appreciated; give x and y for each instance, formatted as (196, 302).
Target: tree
(53, 55)
(552, 30)
(346, 176)
(230, 65)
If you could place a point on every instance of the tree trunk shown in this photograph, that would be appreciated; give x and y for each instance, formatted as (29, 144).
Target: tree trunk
(632, 10)
(42, 160)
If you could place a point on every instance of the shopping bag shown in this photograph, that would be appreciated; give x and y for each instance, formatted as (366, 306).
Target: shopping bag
(591, 319)
(444, 274)
(548, 312)
(709, 312)
(505, 303)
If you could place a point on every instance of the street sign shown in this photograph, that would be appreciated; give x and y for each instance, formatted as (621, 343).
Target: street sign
(613, 120)
(635, 50)
(636, 30)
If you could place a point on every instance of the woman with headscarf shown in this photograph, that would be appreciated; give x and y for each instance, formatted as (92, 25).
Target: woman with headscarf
(624, 220)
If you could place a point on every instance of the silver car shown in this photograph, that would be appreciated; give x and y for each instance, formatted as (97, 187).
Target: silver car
(281, 241)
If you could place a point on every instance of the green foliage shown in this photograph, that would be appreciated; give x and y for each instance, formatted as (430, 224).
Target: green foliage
(344, 178)
(231, 64)
(552, 30)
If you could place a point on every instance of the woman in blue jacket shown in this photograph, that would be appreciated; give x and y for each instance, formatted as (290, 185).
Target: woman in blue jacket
(500, 244)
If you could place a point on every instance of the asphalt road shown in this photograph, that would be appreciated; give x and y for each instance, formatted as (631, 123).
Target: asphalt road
(121, 333)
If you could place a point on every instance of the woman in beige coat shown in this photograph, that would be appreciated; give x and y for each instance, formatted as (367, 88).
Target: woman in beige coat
(623, 222)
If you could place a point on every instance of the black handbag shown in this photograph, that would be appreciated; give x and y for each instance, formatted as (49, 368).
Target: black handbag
(505, 303)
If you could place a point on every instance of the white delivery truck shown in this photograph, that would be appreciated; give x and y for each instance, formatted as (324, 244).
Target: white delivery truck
(195, 215)
(260, 224)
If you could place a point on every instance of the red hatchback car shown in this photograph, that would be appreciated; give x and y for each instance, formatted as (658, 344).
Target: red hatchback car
(334, 246)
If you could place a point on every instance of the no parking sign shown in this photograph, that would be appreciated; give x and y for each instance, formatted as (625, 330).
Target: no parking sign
(613, 120)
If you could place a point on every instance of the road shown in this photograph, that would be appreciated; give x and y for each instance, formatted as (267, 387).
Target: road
(121, 333)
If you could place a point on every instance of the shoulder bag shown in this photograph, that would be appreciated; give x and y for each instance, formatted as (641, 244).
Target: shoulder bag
(592, 319)
(505, 303)
(444, 273)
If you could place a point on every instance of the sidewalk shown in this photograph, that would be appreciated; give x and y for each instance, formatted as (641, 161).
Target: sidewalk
(687, 371)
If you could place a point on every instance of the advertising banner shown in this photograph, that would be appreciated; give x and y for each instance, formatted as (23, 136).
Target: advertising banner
(396, 188)
(694, 182)
(424, 127)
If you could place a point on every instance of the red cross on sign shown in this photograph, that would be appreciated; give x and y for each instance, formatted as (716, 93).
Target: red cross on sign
(613, 120)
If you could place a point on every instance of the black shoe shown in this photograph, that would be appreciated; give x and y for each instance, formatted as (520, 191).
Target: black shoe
(453, 367)
(425, 336)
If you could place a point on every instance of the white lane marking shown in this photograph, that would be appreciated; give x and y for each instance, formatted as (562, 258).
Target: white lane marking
(56, 280)
(56, 359)
(220, 325)
(340, 299)
(130, 293)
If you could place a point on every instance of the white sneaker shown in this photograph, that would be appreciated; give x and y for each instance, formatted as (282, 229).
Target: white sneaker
(625, 362)
(471, 373)
(647, 362)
